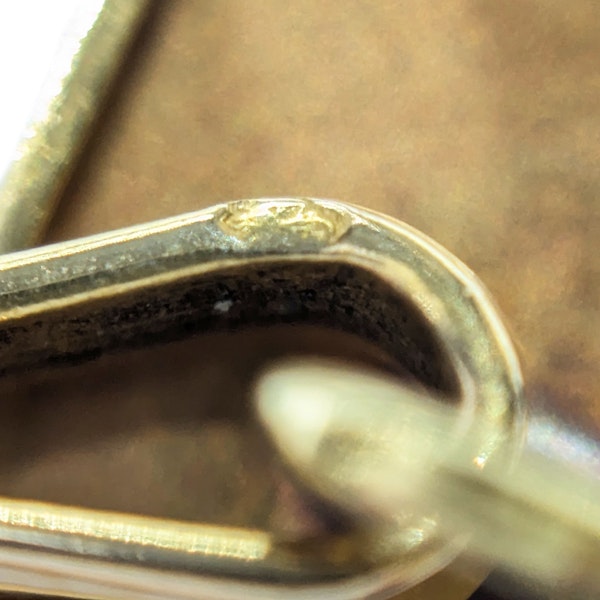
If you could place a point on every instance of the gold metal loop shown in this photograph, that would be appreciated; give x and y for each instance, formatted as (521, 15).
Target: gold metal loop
(249, 262)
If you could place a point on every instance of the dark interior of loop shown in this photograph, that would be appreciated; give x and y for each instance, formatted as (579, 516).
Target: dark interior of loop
(335, 295)
(98, 410)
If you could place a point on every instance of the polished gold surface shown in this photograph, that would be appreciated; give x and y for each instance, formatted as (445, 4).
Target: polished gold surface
(71, 95)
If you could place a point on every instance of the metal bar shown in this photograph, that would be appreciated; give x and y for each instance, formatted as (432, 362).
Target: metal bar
(93, 48)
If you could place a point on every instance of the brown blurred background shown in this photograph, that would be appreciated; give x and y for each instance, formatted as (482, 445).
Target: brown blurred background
(477, 122)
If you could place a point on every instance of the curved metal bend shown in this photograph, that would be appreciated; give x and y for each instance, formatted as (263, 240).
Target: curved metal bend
(256, 261)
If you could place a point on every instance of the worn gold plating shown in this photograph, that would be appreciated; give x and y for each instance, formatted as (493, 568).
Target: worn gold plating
(301, 218)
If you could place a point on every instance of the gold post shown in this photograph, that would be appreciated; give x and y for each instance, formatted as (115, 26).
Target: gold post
(77, 86)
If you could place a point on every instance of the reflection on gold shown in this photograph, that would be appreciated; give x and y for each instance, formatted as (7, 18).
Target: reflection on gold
(24, 521)
(298, 217)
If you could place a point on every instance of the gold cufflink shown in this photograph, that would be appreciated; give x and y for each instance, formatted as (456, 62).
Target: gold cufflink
(298, 261)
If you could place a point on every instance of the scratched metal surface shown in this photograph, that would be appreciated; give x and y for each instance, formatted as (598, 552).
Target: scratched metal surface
(475, 122)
